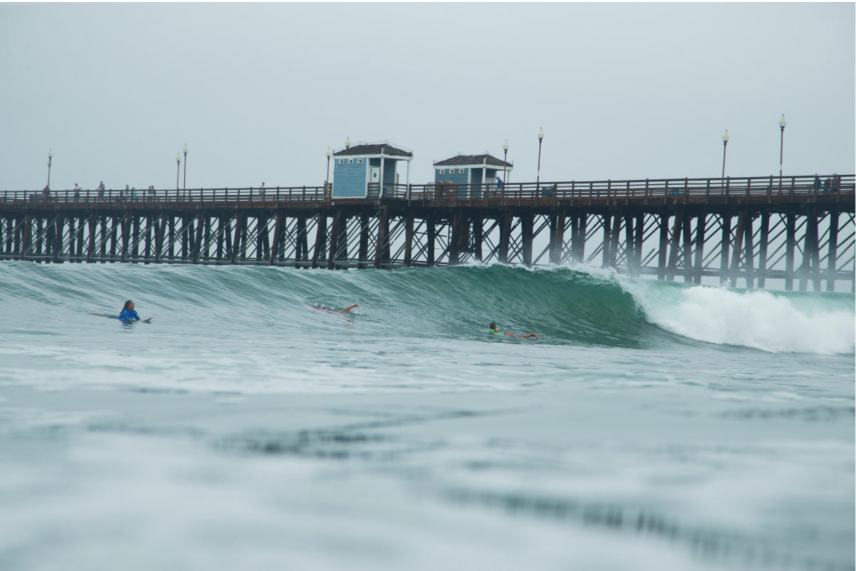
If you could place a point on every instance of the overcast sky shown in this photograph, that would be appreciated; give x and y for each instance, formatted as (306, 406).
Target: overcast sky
(259, 91)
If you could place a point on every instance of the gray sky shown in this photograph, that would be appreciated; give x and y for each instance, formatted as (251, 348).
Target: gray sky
(259, 91)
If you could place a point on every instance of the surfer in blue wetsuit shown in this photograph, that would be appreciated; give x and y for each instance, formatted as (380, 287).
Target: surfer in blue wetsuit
(494, 330)
(128, 313)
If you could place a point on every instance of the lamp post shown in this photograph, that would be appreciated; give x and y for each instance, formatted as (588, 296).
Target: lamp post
(540, 140)
(505, 166)
(184, 184)
(782, 124)
(348, 142)
(50, 160)
(329, 153)
(724, 147)
(177, 170)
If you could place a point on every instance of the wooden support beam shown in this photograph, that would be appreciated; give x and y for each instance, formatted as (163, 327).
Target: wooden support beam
(197, 242)
(382, 237)
(90, 250)
(629, 247)
(607, 240)
(674, 249)
(790, 246)
(557, 237)
(701, 222)
(240, 222)
(222, 235)
(159, 237)
(103, 249)
(527, 221)
(575, 238)
(737, 249)
(504, 236)
(126, 234)
(724, 245)
(478, 235)
(205, 250)
(363, 254)
(749, 253)
(762, 250)
(581, 234)
(663, 251)
(455, 240)
(319, 253)
(335, 232)
(170, 254)
(614, 240)
(408, 240)
(277, 237)
(59, 232)
(431, 232)
(832, 251)
(688, 247)
(302, 242)
(135, 237)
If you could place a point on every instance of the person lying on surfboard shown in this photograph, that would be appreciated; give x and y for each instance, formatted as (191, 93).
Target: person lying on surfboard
(322, 308)
(493, 329)
(128, 313)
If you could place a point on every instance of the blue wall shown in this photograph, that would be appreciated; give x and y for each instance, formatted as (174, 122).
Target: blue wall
(349, 180)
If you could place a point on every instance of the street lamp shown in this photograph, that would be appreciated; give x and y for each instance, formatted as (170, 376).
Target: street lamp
(50, 160)
(348, 142)
(505, 165)
(184, 184)
(782, 124)
(177, 169)
(724, 146)
(540, 140)
(327, 180)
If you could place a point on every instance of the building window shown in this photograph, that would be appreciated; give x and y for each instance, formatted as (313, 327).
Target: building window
(350, 161)
(460, 171)
(341, 161)
(442, 171)
(359, 161)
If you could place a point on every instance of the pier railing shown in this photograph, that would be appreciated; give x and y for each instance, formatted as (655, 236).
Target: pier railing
(714, 190)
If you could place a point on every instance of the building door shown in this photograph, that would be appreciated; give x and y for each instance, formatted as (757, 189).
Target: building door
(374, 187)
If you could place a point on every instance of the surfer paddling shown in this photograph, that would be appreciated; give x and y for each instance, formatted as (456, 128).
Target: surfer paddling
(494, 330)
(128, 313)
(332, 310)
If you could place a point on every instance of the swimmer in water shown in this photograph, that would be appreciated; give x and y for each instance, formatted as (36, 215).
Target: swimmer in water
(493, 329)
(128, 313)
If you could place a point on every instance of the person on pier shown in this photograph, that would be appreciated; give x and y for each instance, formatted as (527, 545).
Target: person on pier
(494, 330)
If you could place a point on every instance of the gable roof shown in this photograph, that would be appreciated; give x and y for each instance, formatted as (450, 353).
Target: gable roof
(373, 149)
(473, 160)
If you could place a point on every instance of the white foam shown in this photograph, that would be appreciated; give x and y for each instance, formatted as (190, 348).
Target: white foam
(756, 319)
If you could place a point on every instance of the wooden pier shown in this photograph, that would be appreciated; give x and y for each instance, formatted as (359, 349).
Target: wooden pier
(738, 231)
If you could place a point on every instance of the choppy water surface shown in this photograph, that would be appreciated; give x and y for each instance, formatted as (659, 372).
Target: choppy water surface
(652, 426)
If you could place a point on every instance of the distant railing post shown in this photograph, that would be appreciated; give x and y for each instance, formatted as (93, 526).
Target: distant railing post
(304, 195)
(647, 189)
(793, 184)
(770, 189)
(748, 186)
(707, 190)
(727, 187)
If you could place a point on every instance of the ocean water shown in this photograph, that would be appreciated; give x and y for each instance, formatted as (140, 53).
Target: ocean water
(652, 426)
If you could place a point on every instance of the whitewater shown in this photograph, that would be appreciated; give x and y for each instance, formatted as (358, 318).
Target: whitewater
(653, 425)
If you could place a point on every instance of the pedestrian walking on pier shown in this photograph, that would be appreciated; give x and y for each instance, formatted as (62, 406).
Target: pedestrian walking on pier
(262, 191)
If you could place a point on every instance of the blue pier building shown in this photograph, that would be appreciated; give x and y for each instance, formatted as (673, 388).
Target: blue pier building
(471, 174)
(368, 170)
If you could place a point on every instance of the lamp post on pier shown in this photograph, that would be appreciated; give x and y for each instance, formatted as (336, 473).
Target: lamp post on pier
(505, 165)
(327, 180)
(724, 147)
(348, 142)
(782, 124)
(184, 184)
(540, 140)
(50, 160)
(177, 170)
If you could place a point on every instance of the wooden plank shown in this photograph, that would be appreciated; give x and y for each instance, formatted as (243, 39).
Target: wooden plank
(762, 250)
(832, 251)
(701, 222)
